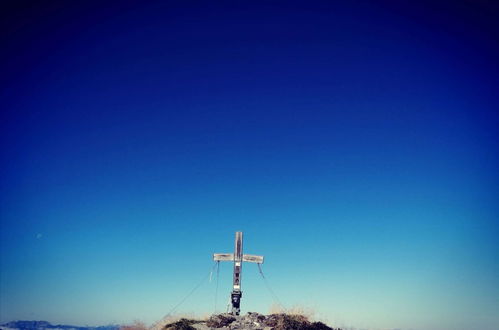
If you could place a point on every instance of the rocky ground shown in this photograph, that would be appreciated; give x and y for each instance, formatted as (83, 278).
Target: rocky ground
(250, 321)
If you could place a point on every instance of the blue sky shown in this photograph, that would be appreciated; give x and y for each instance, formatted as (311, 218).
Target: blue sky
(354, 144)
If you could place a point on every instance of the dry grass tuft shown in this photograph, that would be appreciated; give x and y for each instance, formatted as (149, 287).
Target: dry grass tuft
(309, 313)
(170, 319)
(136, 325)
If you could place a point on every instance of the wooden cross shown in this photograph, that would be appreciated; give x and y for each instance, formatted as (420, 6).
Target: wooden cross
(238, 258)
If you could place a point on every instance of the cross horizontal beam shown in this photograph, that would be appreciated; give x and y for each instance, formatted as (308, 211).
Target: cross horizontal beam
(230, 257)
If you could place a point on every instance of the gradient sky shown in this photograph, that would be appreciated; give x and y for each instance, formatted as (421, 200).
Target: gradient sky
(354, 142)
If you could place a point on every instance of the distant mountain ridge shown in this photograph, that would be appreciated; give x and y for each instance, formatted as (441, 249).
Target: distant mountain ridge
(43, 325)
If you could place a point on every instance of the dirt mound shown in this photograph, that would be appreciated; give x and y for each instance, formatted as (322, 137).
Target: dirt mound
(182, 324)
(220, 321)
(293, 322)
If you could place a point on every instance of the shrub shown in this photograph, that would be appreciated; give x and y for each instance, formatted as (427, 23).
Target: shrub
(182, 324)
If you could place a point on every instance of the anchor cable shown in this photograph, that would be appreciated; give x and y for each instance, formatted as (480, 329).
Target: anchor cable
(185, 298)
(272, 293)
(216, 287)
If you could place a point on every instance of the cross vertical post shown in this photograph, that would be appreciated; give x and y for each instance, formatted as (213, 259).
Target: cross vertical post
(236, 282)
(238, 258)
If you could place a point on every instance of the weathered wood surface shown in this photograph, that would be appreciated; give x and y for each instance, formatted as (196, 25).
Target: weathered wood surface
(238, 246)
(253, 258)
(223, 257)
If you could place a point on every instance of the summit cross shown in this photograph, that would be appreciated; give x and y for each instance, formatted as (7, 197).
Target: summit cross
(238, 258)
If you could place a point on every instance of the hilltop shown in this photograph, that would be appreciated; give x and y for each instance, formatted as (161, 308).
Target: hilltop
(250, 321)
